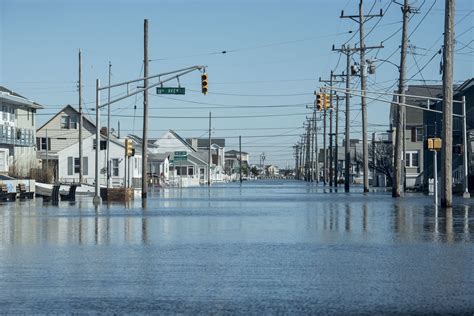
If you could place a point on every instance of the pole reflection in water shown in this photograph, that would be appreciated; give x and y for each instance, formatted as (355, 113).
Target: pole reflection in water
(241, 250)
(449, 225)
(365, 217)
(348, 218)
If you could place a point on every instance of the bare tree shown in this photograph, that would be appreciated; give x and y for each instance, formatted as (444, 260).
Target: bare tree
(380, 159)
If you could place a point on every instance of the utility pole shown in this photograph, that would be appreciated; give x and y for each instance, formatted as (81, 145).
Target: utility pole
(336, 153)
(316, 149)
(348, 51)
(324, 146)
(108, 130)
(145, 112)
(313, 118)
(361, 19)
(209, 154)
(447, 137)
(308, 152)
(397, 188)
(240, 158)
(331, 81)
(96, 200)
(80, 121)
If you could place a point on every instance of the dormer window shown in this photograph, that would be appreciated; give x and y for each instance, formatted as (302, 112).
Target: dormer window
(68, 122)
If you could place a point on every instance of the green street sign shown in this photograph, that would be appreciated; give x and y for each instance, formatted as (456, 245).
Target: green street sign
(170, 90)
(180, 153)
(180, 158)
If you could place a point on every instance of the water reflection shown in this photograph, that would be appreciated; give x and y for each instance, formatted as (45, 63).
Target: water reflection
(236, 214)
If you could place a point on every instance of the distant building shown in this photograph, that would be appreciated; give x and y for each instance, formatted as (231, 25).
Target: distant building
(272, 170)
(17, 133)
(232, 161)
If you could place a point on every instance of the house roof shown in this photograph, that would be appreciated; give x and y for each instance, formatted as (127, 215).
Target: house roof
(465, 85)
(17, 99)
(235, 152)
(84, 117)
(185, 143)
(204, 142)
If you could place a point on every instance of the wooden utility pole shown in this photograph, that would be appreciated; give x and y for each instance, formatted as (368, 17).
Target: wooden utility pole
(347, 138)
(145, 112)
(108, 129)
(331, 82)
(399, 158)
(361, 19)
(336, 142)
(240, 158)
(347, 50)
(209, 153)
(324, 144)
(80, 120)
(313, 118)
(447, 137)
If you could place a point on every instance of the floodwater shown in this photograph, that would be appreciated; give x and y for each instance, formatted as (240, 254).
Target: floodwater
(275, 247)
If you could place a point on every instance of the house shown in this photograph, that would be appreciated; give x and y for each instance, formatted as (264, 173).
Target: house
(414, 134)
(232, 162)
(433, 123)
(272, 170)
(17, 133)
(159, 168)
(60, 132)
(217, 149)
(68, 163)
(187, 165)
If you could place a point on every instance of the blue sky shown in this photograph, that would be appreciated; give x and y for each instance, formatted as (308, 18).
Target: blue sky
(277, 50)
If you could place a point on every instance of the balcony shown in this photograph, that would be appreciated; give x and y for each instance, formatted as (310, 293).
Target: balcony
(22, 137)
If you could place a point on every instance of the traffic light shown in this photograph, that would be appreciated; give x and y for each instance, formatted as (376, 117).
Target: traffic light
(319, 101)
(327, 101)
(204, 83)
(128, 147)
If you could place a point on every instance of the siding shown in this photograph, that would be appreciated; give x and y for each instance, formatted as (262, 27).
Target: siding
(62, 138)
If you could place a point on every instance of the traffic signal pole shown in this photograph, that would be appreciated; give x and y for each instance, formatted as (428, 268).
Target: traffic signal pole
(145, 112)
(173, 76)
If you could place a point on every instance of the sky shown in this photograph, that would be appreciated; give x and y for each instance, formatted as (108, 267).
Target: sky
(260, 89)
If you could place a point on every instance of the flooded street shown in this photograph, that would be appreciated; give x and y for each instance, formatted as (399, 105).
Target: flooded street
(265, 247)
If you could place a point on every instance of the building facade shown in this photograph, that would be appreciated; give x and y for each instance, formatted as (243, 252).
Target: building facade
(17, 133)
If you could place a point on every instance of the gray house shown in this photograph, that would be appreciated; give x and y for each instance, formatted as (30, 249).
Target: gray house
(415, 131)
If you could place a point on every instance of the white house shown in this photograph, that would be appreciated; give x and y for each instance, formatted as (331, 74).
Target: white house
(17, 133)
(68, 163)
(187, 166)
(60, 132)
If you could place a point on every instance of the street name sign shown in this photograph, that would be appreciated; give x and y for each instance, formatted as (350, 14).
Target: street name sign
(170, 90)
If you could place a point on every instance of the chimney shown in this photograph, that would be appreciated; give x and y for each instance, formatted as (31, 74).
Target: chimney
(103, 131)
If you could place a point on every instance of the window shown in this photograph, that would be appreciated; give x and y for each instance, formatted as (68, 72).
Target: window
(64, 122)
(5, 113)
(191, 171)
(85, 166)
(103, 144)
(70, 166)
(115, 167)
(77, 165)
(12, 114)
(41, 143)
(68, 122)
(412, 159)
(417, 134)
(457, 124)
